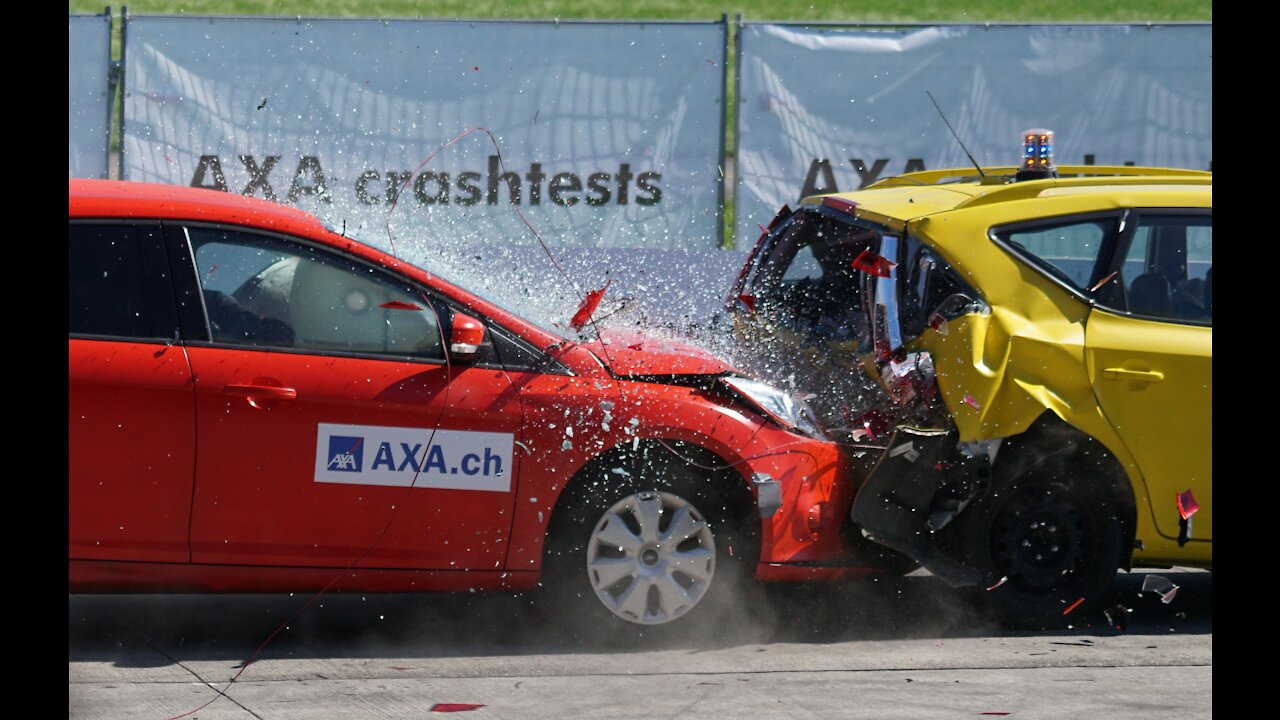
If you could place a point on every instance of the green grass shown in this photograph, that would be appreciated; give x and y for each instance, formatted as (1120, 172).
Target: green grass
(865, 10)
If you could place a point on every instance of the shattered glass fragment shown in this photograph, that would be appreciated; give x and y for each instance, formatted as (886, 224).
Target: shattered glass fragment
(523, 446)
(1160, 585)
(1073, 606)
(1187, 505)
(605, 405)
(588, 306)
(566, 445)
(620, 471)
(873, 264)
(399, 305)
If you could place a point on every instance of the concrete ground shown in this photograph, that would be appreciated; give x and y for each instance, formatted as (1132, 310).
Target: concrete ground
(907, 648)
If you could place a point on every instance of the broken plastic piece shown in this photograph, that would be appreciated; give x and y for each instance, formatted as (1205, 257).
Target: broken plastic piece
(873, 264)
(1117, 617)
(1073, 606)
(399, 305)
(454, 707)
(749, 302)
(1002, 581)
(1187, 505)
(588, 306)
(1160, 585)
(768, 494)
(968, 400)
(1184, 531)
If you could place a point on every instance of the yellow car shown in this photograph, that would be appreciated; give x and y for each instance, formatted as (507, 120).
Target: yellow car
(1022, 358)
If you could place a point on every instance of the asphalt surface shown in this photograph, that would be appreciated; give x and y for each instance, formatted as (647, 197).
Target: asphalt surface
(902, 648)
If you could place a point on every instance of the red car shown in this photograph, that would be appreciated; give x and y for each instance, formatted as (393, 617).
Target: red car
(260, 404)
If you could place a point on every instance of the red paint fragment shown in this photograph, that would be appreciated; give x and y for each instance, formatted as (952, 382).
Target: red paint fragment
(1187, 505)
(748, 301)
(588, 306)
(993, 713)
(763, 230)
(398, 305)
(396, 667)
(476, 68)
(1073, 606)
(872, 264)
(454, 707)
(968, 400)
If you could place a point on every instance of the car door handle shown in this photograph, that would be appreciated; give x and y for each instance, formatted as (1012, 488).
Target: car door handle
(1139, 375)
(264, 392)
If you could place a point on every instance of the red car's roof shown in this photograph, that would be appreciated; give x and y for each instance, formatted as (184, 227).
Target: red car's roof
(128, 199)
(115, 198)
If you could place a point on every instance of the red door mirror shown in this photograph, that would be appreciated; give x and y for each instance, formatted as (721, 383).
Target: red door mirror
(466, 336)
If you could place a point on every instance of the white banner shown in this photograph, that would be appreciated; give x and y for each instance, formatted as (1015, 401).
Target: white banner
(88, 65)
(827, 110)
(609, 134)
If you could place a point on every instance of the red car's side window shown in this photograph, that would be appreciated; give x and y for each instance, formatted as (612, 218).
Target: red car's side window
(117, 286)
(264, 291)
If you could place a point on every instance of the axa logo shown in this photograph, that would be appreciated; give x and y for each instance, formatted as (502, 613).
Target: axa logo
(346, 454)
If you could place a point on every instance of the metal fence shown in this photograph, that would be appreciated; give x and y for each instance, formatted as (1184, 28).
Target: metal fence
(611, 135)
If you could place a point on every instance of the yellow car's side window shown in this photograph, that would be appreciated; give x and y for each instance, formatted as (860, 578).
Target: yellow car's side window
(1165, 268)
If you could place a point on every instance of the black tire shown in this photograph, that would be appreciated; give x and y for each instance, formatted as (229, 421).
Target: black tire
(575, 593)
(1051, 539)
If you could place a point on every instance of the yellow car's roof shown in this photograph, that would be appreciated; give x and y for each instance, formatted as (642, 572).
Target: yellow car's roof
(902, 198)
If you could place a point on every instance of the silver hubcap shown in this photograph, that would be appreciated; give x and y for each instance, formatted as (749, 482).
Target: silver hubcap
(651, 558)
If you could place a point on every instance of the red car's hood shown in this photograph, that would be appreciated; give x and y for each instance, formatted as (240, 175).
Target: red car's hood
(632, 354)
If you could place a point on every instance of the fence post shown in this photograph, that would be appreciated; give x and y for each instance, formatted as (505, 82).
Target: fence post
(737, 138)
(725, 242)
(124, 52)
